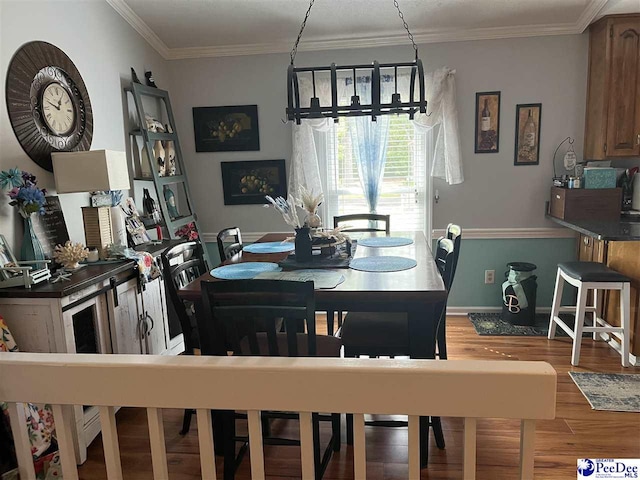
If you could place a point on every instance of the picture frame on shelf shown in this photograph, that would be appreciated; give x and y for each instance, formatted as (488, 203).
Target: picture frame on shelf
(527, 142)
(7, 259)
(487, 131)
(226, 129)
(248, 182)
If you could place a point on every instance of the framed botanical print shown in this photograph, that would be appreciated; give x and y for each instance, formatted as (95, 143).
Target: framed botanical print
(527, 149)
(248, 182)
(226, 129)
(487, 122)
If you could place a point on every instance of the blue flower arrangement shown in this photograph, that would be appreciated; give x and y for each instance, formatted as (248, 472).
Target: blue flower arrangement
(23, 191)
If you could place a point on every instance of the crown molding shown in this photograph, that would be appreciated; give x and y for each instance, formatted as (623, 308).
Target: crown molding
(141, 27)
(421, 37)
(590, 13)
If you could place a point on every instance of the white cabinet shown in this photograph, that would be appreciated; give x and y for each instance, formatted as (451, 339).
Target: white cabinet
(139, 318)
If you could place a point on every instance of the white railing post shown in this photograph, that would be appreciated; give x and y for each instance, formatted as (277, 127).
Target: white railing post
(21, 439)
(158, 447)
(65, 443)
(359, 447)
(527, 448)
(255, 445)
(110, 443)
(469, 448)
(205, 440)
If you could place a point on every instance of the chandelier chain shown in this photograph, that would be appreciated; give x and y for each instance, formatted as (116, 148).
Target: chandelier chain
(294, 50)
(406, 26)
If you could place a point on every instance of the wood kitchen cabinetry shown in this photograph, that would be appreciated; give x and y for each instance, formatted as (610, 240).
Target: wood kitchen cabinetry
(612, 123)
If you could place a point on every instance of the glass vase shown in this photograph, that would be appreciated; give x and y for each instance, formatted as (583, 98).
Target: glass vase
(303, 245)
(31, 249)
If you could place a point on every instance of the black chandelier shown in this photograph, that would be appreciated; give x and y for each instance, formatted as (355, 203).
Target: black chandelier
(295, 111)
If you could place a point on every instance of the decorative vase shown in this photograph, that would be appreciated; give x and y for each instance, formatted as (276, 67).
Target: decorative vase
(31, 248)
(303, 245)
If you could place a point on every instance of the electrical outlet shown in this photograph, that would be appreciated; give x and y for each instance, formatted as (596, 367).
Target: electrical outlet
(489, 276)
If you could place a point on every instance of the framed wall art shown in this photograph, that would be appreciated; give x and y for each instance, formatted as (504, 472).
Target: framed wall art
(226, 129)
(247, 183)
(487, 122)
(527, 149)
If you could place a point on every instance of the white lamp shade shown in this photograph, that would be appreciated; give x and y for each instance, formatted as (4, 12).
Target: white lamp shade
(90, 171)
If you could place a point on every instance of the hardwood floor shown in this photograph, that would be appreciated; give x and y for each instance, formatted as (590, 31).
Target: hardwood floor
(577, 432)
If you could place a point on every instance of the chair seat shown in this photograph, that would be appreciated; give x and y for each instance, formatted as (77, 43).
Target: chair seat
(591, 272)
(327, 346)
(376, 329)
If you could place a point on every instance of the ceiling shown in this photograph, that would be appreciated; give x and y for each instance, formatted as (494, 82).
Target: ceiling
(201, 28)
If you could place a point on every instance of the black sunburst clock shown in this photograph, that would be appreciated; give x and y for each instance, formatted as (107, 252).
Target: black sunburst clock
(48, 103)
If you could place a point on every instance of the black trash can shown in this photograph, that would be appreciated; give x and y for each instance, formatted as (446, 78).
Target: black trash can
(519, 294)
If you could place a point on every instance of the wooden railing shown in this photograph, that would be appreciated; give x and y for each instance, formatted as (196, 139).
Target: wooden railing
(453, 388)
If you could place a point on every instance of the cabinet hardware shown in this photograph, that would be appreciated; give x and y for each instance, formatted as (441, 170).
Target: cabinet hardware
(611, 31)
(586, 241)
(605, 148)
(638, 139)
(152, 323)
(114, 289)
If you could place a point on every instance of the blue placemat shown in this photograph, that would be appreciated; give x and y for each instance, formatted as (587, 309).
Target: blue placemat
(244, 270)
(385, 242)
(269, 247)
(382, 264)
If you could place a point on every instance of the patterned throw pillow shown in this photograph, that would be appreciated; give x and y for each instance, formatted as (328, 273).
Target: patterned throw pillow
(40, 426)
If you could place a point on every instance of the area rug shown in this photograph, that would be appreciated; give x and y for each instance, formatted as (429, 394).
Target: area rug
(491, 324)
(615, 392)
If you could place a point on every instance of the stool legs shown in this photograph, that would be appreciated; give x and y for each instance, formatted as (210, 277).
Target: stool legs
(555, 306)
(625, 322)
(577, 330)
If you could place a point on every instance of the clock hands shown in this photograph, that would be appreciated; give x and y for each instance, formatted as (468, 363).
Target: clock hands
(57, 107)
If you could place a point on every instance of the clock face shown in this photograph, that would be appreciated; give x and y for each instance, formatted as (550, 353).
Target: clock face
(48, 103)
(58, 109)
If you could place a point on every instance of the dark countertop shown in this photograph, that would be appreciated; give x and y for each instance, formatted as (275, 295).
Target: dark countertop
(82, 278)
(623, 230)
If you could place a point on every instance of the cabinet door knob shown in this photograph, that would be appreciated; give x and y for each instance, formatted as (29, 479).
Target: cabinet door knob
(585, 240)
(638, 139)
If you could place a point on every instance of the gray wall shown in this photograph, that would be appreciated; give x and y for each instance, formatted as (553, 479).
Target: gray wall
(496, 194)
(103, 47)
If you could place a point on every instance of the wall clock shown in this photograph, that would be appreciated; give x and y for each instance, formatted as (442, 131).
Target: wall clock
(48, 103)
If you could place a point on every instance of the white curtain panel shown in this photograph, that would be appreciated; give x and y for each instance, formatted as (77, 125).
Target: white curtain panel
(441, 110)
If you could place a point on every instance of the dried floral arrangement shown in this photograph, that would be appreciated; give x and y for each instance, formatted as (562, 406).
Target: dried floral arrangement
(69, 254)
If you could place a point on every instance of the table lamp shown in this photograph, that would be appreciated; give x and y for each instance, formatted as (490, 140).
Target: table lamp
(90, 171)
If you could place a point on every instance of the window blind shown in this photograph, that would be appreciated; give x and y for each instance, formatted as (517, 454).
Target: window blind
(402, 192)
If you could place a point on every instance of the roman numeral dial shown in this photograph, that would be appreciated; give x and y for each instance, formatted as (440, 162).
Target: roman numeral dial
(59, 117)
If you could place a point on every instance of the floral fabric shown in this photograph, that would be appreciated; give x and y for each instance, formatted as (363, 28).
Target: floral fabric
(40, 425)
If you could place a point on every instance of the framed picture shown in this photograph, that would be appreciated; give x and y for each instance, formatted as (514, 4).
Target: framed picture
(487, 122)
(226, 129)
(247, 183)
(6, 259)
(527, 150)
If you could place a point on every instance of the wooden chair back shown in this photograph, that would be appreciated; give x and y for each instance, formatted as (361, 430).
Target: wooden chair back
(445, 260)
(182, 264)
(226, 247)
(371, 217)
(256, 307)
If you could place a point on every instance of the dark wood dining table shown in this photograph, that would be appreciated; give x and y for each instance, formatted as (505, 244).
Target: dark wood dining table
(418, 291)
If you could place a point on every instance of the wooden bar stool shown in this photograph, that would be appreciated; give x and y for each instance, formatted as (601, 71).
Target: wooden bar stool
(594, 276)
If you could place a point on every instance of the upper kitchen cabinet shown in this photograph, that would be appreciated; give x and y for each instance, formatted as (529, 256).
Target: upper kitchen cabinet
(612, 124)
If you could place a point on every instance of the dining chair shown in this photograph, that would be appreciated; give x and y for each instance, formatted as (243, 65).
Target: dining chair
(229, 243)
(374, 220)
(453, 233)
(387, 334)
(260, 303)
(182, 264)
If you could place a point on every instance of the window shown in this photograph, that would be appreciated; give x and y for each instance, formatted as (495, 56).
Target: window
(404, 186)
